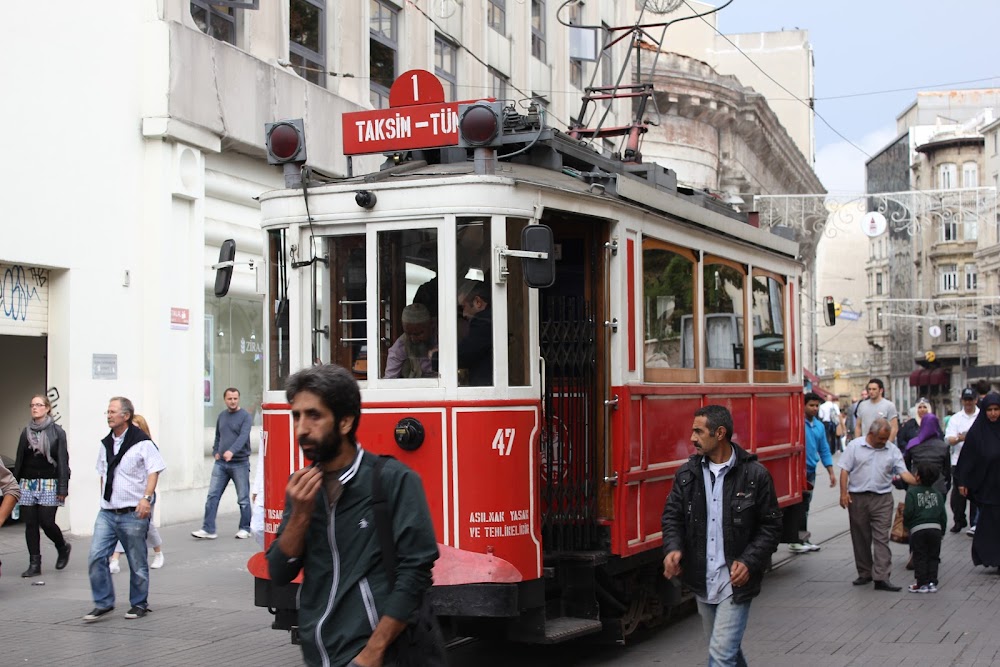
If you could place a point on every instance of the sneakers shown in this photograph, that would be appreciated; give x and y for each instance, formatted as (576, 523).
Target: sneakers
(802, 547)
(927, 588)
(97, 613)
(157, 561)
(971, 532)
(114, 566)
(242, 534)
(137, 612)
(202, 535)
(812, 547)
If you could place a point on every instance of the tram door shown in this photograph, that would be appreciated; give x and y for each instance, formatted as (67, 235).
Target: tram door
(572, 340)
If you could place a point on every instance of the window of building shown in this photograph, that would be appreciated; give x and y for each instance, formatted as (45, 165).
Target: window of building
(498, 85)
(446, 66)
(538, 29)
(972, 334)
(971, 277)
(949, 277)
(307, 39)
(949, 229)
(215, 21)
(970, 224)
(950, 333)
(668, 284)
(947, 176)
(575, 64)
(970, 175)
(879, 323)
(878, 283)
(496, 15)
(382, 50)
(234, 353)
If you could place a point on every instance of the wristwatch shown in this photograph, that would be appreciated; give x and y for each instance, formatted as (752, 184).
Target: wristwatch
(148, 499)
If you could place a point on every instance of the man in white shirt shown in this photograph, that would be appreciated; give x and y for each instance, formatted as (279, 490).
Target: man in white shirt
(958, 426)
(829, 414)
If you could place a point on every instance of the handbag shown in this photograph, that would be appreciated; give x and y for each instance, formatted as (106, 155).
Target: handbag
(421, 644)
(899, 532)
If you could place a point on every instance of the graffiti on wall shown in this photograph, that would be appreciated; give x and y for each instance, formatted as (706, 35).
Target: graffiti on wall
(52, 393)
(18, 286)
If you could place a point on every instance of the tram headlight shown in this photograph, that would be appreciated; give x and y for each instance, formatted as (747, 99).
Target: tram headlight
(285, 141)
(480, 124)
(366, 199)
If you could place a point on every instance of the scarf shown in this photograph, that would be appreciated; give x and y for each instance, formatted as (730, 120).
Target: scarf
(929, 430)
(41, 436)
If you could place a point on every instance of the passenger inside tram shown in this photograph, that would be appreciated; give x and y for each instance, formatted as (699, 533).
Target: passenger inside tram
(475, 345)
(410, 355)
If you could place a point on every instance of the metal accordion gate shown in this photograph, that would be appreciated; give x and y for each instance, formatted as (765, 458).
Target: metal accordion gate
(569, 466)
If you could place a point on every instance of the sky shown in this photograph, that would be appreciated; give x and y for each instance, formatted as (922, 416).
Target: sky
(865, 46)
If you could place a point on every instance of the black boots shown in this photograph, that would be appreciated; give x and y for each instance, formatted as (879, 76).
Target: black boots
(35, 568)
(63, 558)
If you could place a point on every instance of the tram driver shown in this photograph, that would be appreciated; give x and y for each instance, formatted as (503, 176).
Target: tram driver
(410, 355)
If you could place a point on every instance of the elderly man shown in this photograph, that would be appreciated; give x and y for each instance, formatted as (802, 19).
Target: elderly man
(868, 466)
(409, 356)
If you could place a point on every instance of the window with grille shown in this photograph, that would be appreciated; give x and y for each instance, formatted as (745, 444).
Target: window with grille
(383, 47)
(215, 21)
(307, 39)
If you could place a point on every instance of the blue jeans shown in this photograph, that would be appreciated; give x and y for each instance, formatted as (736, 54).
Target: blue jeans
(130, 530)
(239, 472)
(724, 624)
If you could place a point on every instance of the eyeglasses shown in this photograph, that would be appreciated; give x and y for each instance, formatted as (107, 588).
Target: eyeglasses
(38, 405)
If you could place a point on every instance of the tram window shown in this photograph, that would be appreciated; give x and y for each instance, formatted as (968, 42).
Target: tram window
(668, 274)
(518, 366)
(723, 295)
(475, 302)
(407, 288)
(768, 323)
(278, 345)
(348, 316)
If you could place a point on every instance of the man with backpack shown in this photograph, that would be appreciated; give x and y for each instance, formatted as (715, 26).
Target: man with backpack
(352, 607)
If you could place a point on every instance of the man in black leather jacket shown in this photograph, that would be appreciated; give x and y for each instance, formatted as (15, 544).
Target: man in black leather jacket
(721, 523)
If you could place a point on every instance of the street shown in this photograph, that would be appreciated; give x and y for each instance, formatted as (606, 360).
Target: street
(808, 613)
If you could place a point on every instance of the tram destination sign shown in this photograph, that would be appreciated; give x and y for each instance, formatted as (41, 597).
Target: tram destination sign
(401, 129)
(417, 117)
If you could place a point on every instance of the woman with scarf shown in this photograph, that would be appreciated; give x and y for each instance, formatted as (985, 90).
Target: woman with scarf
(929, 447)
(978, 477)
(42, 467)
(911, 427)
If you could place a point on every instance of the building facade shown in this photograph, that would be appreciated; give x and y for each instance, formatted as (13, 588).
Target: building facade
(149, 153)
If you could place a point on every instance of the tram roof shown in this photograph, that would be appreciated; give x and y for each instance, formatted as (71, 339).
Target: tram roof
(648, 187)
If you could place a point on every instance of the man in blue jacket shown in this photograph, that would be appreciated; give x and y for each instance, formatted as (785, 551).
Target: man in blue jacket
(817, 449)
(349, 611)
(721, 523)
(232, 462)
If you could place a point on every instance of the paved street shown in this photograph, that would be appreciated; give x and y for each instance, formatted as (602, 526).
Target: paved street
(809, 613)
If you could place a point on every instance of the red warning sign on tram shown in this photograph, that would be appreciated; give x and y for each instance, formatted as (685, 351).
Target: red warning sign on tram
(418, 117)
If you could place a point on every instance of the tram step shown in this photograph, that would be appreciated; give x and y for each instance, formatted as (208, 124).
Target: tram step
(565, 627)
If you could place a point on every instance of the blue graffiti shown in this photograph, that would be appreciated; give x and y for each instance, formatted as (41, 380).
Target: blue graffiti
(16, 292)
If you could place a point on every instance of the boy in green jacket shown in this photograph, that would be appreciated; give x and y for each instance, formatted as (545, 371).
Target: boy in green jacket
(925, 518)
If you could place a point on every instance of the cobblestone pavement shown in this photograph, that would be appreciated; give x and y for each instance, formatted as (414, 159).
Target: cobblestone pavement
(203, 613)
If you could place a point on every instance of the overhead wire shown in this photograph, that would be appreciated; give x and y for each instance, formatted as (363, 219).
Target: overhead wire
(795, 97)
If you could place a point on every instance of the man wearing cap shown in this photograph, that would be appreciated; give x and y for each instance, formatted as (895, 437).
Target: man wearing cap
(409, 356)
(958, 426)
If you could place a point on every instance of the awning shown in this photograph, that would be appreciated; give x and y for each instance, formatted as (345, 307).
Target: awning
(940, 377)
(917, 377)
(812, 382)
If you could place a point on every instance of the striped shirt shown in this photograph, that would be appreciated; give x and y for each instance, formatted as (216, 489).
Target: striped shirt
(129, 484)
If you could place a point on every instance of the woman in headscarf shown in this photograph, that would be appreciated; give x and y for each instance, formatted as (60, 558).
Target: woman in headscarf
(42, 467)
(911, 427)
(930, 448)
(978, 477)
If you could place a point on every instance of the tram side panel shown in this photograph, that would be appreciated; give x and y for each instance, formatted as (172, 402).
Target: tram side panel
(653, 433)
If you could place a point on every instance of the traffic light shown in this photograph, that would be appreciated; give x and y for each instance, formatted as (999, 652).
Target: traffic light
(285, 141)
(829, 311)
(480, 124)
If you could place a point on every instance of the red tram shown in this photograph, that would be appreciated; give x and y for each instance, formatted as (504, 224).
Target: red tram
(546, 473)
